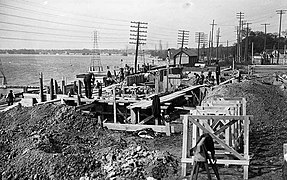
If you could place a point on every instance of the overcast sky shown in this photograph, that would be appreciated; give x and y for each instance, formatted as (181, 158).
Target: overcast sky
(61, 24)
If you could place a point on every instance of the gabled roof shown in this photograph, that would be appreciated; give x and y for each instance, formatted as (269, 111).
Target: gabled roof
(188, 51)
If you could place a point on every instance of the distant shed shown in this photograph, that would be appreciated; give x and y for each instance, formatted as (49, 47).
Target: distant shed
(191, 53)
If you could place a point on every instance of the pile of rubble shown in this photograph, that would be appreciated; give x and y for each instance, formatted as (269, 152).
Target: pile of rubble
(56, 142)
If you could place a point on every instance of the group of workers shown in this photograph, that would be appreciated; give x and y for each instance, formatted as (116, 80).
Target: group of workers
(202, 79)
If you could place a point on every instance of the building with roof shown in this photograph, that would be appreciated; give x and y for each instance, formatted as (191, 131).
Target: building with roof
(189, 56)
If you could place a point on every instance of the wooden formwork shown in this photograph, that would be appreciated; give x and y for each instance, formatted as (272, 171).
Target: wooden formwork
(225, 152)
(226, 121)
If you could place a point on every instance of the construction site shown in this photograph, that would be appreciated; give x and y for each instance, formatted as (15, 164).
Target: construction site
(119, 137)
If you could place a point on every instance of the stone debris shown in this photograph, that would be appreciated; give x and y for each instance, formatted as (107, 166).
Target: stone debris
(56, 142)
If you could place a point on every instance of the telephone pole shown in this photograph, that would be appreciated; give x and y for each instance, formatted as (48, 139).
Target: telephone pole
(200, 39)
(265, 38)
(217, 43)
(240, 17)
(209, 52)
(280, 12)
(211, 42)
(182, 40)
(246, 42)
(140, 37)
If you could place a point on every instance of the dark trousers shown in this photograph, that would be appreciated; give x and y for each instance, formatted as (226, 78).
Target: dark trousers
(10, 102)
(88, 90)
(217, 79)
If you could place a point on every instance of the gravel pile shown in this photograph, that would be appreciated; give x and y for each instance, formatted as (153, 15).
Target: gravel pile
(56, 142)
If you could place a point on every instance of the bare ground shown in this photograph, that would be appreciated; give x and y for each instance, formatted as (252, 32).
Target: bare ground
(55, 142)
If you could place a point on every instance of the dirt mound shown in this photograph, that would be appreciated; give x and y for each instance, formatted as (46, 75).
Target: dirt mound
(56, 142)
(268, 130)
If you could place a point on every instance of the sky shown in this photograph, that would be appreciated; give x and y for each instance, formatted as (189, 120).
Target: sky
(70, 24)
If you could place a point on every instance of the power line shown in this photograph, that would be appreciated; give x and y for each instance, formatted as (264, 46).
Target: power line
(31, 32)
(46, 40)
(49, 28)
(54, 34)
(61, 11)
(52, 15)
(54, 22)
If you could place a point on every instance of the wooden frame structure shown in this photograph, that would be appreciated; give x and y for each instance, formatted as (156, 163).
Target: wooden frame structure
(136, 108)
(225, 120)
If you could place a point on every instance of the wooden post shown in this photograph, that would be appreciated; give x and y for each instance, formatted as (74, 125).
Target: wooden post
(246, 146)
(79, 88)
(78, 100)
(184, 144)
(75, 87)
(115, 104)
(167, 128)
(156, 82)
(56, 87)
(167, 69)
(63, 86)
(51, 89)
(100, 121)
(41, 88)
(134, 115)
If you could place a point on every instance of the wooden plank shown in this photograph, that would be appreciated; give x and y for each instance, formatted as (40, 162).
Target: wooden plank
(222, 161)
(246, 145)
(85, 106)
(134, 115)
(219, 117)
(144, 104)
(184, 145)
(224, 127)
(47, 102)
(235, 153)
(167, 129)
(146, 119)
(134, 127)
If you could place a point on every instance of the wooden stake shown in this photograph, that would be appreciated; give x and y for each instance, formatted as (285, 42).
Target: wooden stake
(41, 88)
(51, 89)
(115, 104)
(56, 87)
(63, 86)
(79, 88)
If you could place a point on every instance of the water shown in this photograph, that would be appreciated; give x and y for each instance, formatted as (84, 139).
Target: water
(25, 69)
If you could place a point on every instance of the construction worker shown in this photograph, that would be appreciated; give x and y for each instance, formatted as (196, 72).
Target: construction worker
(217, 73)
(88, 85)
(10, 98)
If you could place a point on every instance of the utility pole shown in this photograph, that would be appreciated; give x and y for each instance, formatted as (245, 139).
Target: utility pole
(280, 12)
(140, 37)
(246, 42)
(182, 40)
(240, 17)
(211, 43)
(265, 38)
(217, 43)
(199, 39)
